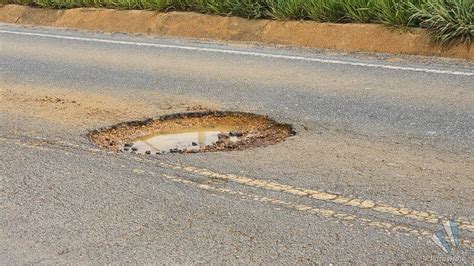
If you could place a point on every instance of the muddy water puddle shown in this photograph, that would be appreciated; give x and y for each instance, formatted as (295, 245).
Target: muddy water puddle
(192, 133)
(180, 140)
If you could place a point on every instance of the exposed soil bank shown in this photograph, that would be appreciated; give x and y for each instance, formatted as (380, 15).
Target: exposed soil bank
(344, 37)
(242, 131)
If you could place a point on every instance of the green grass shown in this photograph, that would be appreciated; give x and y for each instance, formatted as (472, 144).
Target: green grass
(449, 21)
(325, 10)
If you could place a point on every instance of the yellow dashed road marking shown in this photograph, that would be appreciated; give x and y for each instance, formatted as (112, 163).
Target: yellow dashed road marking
(424, 216)
(326, 213)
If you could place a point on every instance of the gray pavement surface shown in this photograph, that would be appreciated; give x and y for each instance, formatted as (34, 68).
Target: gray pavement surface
(381, 159)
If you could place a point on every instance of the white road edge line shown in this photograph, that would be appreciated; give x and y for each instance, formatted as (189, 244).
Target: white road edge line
(235, 52)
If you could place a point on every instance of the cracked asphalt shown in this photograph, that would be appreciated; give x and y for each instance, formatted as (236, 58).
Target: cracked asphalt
(381, 159)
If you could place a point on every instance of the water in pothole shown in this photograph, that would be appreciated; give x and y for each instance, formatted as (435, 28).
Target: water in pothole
(210, 131)
(180, 140)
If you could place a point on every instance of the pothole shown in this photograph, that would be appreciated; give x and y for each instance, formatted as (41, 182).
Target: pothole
(192, 133)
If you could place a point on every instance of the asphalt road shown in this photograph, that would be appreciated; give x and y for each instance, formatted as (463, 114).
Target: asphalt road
(381, 159)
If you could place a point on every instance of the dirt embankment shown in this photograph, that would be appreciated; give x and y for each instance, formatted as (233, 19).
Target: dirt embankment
(345, 37)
